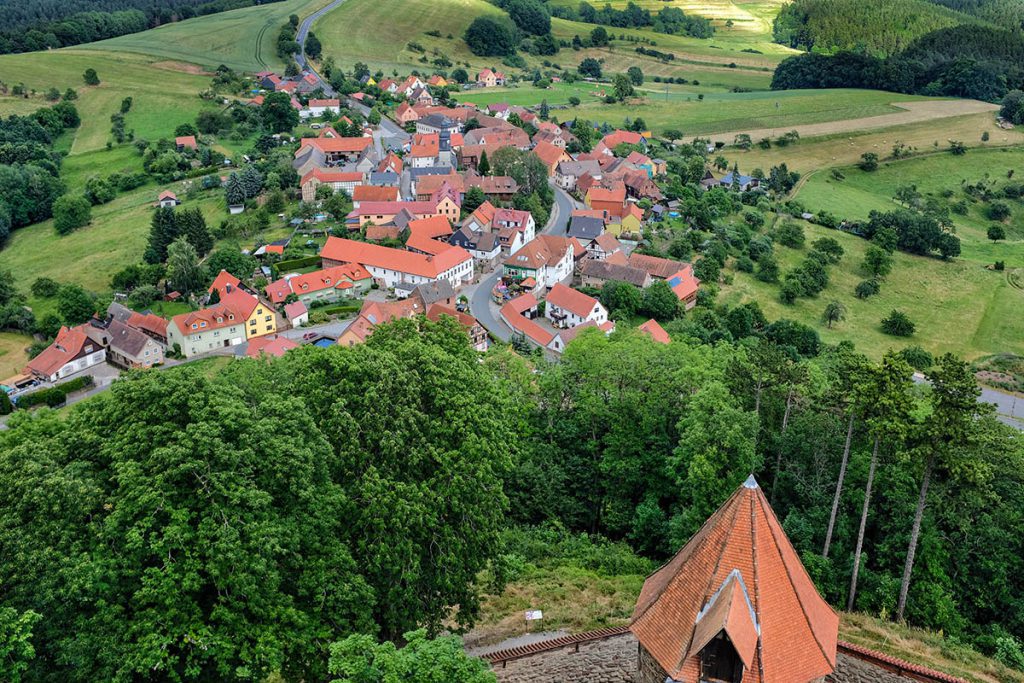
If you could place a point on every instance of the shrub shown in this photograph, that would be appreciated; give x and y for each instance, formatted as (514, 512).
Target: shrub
(790, 234)
(996, 232)
(866, 289)
(45, 287)
(868, 162)
(898, 324)
(71, 212)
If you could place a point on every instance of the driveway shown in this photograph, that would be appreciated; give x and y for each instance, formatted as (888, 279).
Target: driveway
(480, 303)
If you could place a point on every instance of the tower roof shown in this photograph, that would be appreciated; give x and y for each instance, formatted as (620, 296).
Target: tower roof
(738, 574)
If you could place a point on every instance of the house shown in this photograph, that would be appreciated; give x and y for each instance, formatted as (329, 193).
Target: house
(436, 292)
(738, 181)
(482, 218)
(167, 200)
(424, 186)
(685, 286)
(507, 221)
(128, 347)
(500, 188)
(437, 123)
(567, 307)
(628, 223)
(317, 107)
(567, 173)
(610, 199)
(499, 110)
(547, 259)
(490, 79)
(620, 137)
(405, 114)
(659, 268)
(374, 193)
(273, 346)
(585, 228)
(337, 150)
(345, 181)
(483, 246)
(519, 315)
(208, 329)
(565, 337)
(259, 318)
(477, 333)
(655, 331)
(357, 332)
(550, 155)
(407, 87)
(640, 186)
(594, 273)
(72, 351)
(383, 213)
(296, 313)
(469, 155)
(391, 266)
(183, 142)
(148, 323)
(388, 85)
(603, 246)
(499, 136)
(327, 285)
(425, 151)
(437, 81)
(421, 97)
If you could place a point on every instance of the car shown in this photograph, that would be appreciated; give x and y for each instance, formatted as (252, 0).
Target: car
(310, 335)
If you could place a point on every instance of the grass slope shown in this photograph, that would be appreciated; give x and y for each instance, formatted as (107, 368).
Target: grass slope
(377, 32)
(164, 94)
(243, 39)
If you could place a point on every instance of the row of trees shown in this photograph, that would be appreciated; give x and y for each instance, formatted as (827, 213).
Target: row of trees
(670, 20)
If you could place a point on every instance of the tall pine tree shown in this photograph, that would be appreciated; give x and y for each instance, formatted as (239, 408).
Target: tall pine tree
(162, 232)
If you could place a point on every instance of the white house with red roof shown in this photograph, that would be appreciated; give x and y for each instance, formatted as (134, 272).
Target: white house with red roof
(489, 78)
(337, 180)
(327, 285)
(514, 219)
(567, 307)
(393, 266)
(167, 200)
(71, 352)
(317, 107)
(207, 330)
(548, 259)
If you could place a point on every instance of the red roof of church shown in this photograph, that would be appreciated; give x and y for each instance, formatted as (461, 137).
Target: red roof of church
(741, 575)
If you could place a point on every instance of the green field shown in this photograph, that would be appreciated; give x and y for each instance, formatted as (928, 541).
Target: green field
(243, 39)
(960, 306)
(12, 353)
(377, 32)
(164, 94)
(720, 112)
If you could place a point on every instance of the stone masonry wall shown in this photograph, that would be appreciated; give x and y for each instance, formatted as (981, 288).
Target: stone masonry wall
(609, 660)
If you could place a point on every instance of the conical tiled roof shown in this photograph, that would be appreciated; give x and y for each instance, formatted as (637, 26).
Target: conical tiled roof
(740, 557)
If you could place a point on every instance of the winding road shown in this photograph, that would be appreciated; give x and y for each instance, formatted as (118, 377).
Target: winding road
(480, 304)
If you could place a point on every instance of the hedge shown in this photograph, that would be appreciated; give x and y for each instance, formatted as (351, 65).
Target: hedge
(55, 395)
(295, 263)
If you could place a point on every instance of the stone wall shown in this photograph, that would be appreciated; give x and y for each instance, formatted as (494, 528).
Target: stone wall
(608, 660)
(649, 671)
(852, 670)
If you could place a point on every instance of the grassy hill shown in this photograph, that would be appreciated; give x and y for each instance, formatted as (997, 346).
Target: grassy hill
(980, 304)
(242, 39)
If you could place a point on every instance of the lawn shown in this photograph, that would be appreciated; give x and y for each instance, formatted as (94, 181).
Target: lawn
(12, 353)
(959, 306)
(243, 39)
(91, 255)
(164, 95)
(860, 192)
(720, 112)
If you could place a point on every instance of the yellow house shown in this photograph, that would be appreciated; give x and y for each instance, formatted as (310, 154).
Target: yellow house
(259, 316)
(629, 224)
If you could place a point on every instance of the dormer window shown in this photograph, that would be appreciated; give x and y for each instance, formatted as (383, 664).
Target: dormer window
(202, 324)
(719, 662)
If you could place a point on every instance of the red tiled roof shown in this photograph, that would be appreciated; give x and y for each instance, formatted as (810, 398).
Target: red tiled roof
(215, 317)
(294, 310)
(393, 208)
(435, 311)
(548, 153)
(149, 322)
(346, 145)
(655, 331)
(378, 312)
(684, 284)
(167, 194)
(512, 314)
(431, 228)
(742, 544)
(65, 347)
(655, 265)
(273, 345)
(325, 103)
(350, 251)
(223, 281)
(377, 233)
(571, 300)
(327, 278)
(374, 193)
(616, 138)
(540, 251)
(333, 176)
(616, 195)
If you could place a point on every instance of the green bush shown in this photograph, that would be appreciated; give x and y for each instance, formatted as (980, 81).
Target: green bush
(54, 396)
(295, 264)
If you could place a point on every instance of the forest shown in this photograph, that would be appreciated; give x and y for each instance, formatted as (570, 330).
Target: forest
(46, 24)
(962, 61)
(196, 525)
(670, 20)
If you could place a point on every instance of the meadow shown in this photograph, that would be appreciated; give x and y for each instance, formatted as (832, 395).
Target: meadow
(243, 39)
(959, 306)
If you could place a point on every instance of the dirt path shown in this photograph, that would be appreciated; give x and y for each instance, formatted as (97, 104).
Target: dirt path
(914, 112)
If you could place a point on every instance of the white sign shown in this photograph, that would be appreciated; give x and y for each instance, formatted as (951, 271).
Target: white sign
(534, 614)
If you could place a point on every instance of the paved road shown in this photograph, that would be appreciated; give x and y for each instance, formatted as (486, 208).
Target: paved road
(480, 304)
(303, 33)
(1009, 408)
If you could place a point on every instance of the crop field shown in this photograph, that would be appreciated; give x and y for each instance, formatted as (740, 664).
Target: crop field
(844, 149)
(378, 32)
(719, 112)
(243, 39)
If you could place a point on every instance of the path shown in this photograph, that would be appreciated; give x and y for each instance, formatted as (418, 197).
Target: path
(480, 304)
(303, 33)
(915, 112)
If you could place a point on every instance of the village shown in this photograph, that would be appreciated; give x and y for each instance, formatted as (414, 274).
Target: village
(432, 232)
